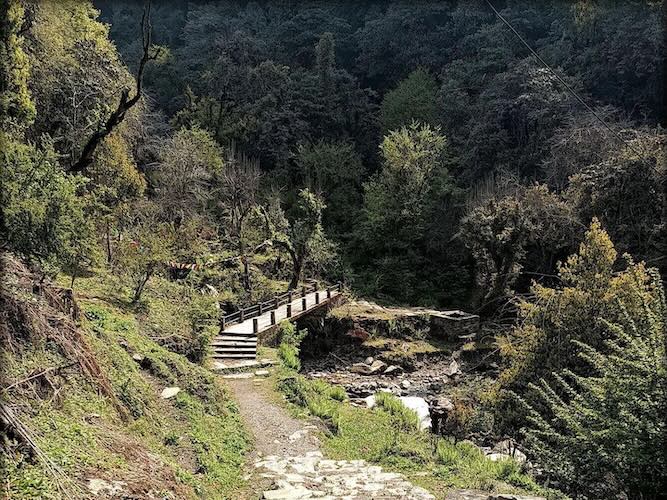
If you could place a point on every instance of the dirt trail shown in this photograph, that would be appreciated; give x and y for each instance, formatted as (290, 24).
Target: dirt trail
(287, 462)
(276, 432)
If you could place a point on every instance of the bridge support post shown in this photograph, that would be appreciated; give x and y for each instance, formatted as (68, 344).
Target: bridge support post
(289, 310)
(273, 317)
(303, 304)
(255, 325)
(317, 297)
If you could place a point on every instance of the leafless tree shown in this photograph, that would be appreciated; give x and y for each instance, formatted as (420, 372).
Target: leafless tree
(237, 198)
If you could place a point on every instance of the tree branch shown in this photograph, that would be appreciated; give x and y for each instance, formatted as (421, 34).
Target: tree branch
(126, 103)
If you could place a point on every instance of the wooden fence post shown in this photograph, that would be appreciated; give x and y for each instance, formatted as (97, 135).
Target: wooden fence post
(222, 323)
(276, 303)
(241, 316)
(303, 304)
(317, 297)
(328, 293)
(255, 325)
(261, 308)
(303, 291)
(289, 310)
(289, 295)
(273, 317)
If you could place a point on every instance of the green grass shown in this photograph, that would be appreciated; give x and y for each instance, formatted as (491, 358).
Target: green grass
(389, 435)
(192, 445)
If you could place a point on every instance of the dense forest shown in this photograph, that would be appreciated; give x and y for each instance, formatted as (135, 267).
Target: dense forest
(509, 163)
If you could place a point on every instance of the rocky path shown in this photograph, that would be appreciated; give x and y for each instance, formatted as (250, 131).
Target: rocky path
(288, 463)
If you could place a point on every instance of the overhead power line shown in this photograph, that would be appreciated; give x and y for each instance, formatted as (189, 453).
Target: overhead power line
(558, 77)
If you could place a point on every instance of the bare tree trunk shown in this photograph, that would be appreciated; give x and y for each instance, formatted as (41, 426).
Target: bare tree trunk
(140, 287)
(108, 241)
(297, 267)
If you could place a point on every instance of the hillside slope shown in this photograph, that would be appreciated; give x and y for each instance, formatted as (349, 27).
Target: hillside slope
(82, 403)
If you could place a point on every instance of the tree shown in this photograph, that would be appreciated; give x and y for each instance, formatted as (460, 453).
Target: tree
(16, 107)
(500, 230)
(46, 214)
(334, 170)
(556, 320)
(114, 181)
(147, 246)
(401, 203)
(236, 191)
(603, 434)
(126, 102)
(183, 179)
(626, 191)
(415, 98)
(301, 235)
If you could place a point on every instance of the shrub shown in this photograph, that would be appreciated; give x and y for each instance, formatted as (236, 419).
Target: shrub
(605, 433)
(557, 320)
(288, 350)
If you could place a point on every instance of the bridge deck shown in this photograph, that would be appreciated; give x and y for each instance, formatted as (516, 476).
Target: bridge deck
(264, 320)
(239, 340)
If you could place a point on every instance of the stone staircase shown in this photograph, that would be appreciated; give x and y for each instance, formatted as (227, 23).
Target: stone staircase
(234, 346)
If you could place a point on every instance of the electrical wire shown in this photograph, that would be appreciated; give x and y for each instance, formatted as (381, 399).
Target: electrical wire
(563, 82)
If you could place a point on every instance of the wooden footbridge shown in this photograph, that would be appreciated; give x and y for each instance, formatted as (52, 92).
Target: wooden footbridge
(240, 330)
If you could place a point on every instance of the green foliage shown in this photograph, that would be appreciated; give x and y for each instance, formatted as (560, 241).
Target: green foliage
(407, 418)
(183, 180)
(76, 74)
(146, 249)
(622, 188)
(401, 202)
(335, 170)
(16, 107)
(203, 316)
(114, 176)
(500, 229)
(23, 480)
(414, 99)
(45, 214)
(288, 350)
(591, 291)
(604, 433)
(301, 234)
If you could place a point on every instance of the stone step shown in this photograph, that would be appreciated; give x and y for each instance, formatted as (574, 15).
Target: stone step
(222, 338)
(234, 343)
(239, 334)
(252, 349)
(246, 355)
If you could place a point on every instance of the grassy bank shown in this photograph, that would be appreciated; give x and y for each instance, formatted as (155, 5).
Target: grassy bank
(189, 446)
(389, 435)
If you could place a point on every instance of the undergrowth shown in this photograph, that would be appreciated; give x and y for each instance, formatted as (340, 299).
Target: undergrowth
(190, 446)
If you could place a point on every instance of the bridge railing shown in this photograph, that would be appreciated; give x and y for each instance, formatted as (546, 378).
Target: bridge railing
(272, 304)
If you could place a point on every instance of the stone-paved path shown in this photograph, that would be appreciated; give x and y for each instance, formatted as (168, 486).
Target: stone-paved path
(289, 465)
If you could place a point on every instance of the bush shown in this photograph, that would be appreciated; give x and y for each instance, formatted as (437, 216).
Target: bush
(605, 433)
(288, 350)
(555, 322)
